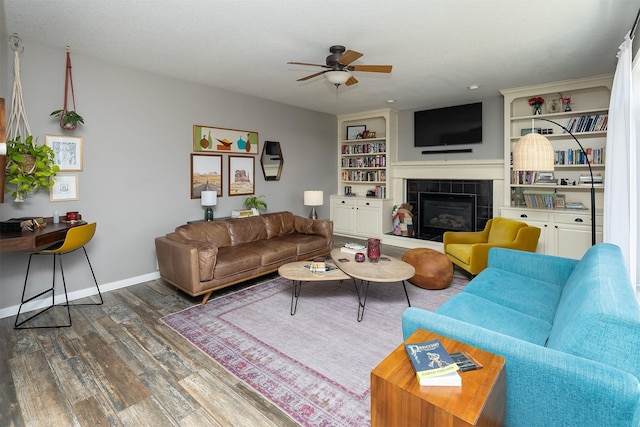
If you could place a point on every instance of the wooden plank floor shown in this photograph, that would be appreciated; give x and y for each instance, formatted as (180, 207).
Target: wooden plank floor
(118, 365)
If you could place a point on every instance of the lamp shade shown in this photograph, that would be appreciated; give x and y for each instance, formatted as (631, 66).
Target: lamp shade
(533, 152)
(337, 77)
(313, 198)
(208, 198)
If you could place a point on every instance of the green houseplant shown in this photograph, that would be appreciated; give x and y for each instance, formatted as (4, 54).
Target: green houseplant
(255, 202)
(29, 167)
(68, 119)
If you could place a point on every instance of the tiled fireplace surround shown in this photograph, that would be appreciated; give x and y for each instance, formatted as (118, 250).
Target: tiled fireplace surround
(485, 177)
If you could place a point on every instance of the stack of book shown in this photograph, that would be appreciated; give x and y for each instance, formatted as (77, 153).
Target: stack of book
(585, 180)
(434, 366)
(352, 248)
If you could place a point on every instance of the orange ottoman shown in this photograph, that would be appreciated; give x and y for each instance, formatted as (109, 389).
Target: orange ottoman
(434, 270)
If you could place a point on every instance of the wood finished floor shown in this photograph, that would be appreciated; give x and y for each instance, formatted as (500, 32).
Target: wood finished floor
(118, 365)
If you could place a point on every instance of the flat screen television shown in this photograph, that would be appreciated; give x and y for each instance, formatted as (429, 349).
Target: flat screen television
(457, 125)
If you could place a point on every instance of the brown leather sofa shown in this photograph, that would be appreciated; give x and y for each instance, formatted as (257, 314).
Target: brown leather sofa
(202, 257)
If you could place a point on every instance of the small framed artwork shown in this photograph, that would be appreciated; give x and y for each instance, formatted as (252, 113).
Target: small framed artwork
(224, 140)
(67, 151)
(241, 175)
(355, 132)
(559, 201)
(65, 188)
(545, 178)
(206, 170)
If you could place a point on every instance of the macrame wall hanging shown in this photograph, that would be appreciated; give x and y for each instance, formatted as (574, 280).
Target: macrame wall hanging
(18, 125)
(69, 118)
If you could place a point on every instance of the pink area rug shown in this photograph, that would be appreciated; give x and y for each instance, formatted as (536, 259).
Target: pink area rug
(316, 364)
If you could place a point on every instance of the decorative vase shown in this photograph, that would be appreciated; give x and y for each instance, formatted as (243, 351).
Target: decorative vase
(373, 249)
(537, 109)
(359, 257)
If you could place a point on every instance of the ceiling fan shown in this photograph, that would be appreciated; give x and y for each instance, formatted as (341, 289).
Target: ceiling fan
(338, 67)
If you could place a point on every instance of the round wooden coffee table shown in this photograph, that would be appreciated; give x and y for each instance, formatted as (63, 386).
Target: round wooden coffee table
(387, 270)
(298, 272)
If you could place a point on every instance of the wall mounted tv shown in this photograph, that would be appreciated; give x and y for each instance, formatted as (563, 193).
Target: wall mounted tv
(460, 124)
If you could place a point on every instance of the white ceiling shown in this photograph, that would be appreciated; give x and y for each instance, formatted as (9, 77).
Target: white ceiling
(437, 47)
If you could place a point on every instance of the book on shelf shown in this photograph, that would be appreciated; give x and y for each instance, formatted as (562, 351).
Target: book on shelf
(433, 365)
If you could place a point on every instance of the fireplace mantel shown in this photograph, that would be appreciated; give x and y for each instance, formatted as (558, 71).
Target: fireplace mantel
(455, 169)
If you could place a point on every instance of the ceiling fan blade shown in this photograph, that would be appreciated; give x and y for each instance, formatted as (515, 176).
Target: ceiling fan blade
(349, 56)
(352, 80)
(372, 68)
(310, 76)
(306, 63)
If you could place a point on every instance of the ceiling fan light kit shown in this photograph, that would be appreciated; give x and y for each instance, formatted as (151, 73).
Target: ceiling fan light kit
(337, 77)
(339, 67)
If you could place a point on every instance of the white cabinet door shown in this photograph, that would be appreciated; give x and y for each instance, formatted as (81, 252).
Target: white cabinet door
(534, 219)
(368, 221)
(344, 216)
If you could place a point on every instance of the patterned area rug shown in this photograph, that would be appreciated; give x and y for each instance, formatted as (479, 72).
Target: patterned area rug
(316, 364)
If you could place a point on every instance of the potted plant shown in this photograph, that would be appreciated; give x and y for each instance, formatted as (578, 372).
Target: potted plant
(29, 167)
(68, 119)
(255, 203)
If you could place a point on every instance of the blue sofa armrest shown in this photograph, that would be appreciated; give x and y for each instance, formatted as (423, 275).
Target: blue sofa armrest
(544, 386)
(548, 268)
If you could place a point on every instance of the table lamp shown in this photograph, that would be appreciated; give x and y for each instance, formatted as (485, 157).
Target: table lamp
(313, 198)
(533, 152)
(208, 198)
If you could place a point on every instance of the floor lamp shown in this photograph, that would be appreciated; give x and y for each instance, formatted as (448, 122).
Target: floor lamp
(534, 152)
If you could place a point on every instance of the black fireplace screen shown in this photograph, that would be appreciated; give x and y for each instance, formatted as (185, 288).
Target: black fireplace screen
(440, 212)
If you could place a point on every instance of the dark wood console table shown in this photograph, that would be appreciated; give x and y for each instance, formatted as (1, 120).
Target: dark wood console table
(28, 240)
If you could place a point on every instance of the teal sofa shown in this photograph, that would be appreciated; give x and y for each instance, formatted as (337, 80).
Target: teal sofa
(568, 329)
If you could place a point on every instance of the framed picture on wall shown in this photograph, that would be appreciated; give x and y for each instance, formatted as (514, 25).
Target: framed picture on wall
(67, 151)
(65, 188)
(206, 138)
(241, 175)
(206, 169)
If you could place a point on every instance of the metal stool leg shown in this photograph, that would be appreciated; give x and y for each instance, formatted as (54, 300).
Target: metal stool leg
(94, 281)
(18, 325)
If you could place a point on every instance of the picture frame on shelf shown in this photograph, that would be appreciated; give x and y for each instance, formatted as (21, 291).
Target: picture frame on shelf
(554, 105)
(355, 132)
(205, 168)
(65, 188)
(67, 152)
(241, 175)
(545, 178)
(207, 138)
(559, 201)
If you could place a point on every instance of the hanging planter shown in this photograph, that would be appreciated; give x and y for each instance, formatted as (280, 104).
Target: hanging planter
(69, 119)
(30, 167)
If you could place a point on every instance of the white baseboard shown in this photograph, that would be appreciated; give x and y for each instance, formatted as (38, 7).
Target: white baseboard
(82, 293)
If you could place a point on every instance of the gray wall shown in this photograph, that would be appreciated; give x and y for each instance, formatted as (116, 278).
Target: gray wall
(136, 160)
(492, 146)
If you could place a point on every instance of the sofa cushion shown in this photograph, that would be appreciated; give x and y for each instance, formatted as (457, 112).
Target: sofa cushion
(272, 251)
(524, 294)
(235, 259)
(487, 314)
(597, 318)
(278, 223)
(504, 230)
(215, 233)
(244, 230)
(305, 243)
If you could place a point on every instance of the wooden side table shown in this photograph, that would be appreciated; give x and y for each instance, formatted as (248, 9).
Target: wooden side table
(397, 398)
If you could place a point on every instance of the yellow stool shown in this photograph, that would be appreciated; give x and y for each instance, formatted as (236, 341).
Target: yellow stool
(75, 239)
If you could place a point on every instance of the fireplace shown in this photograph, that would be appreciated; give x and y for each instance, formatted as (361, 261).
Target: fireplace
(440, 212)
(475, 195)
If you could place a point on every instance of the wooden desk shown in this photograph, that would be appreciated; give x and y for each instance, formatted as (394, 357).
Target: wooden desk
(397, 398)
(28, 240)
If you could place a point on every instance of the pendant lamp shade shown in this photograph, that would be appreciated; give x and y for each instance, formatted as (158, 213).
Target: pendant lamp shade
(533, 152)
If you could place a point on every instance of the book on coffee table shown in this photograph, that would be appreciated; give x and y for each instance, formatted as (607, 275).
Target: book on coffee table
(434, 366)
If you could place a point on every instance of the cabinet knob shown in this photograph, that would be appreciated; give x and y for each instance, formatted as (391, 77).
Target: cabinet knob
(342, 202)
(523, 216)
(578, 220)
(367, 203)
